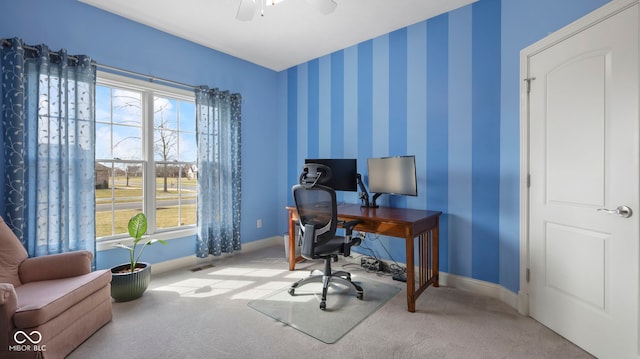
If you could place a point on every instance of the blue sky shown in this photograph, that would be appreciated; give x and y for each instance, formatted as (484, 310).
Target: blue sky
(119, 125)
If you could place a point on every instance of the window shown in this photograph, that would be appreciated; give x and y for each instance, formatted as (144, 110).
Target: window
(145, 156)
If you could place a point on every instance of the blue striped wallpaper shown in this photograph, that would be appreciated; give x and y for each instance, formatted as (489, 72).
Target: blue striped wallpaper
(485, 161)
(431, 90)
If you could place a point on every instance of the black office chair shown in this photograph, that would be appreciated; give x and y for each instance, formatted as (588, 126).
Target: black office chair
(318, 217)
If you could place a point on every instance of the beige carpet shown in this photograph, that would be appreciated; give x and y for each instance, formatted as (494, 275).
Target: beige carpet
(204, 314)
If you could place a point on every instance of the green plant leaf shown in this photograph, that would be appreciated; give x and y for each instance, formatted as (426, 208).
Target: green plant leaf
(152, 241)
(120, 245)
(137, 226)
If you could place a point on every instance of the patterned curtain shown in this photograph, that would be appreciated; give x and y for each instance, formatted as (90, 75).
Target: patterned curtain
(218, 136)
(48, 132)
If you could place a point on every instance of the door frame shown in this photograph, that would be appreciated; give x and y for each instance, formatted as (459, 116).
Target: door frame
(606, 11)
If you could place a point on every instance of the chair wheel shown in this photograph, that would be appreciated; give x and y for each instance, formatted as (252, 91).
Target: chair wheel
(323, 306)
(291, 291)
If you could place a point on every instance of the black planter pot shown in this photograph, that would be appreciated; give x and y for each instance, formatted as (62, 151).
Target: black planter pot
(128, 285)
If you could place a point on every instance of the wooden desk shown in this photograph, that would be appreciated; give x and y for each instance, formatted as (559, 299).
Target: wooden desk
(396, 222)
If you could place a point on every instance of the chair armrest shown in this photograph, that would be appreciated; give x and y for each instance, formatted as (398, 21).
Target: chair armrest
(55, 266)
(348, 226)
(348, 240)
(8, 305)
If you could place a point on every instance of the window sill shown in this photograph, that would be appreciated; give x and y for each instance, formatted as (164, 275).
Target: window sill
(165, 236)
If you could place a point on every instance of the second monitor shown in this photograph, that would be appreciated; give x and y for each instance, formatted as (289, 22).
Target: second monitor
(392, 175)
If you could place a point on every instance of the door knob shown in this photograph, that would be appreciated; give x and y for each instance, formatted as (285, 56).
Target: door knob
(622, 211)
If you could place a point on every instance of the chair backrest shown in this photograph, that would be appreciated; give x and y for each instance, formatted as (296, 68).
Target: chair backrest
(318, 216)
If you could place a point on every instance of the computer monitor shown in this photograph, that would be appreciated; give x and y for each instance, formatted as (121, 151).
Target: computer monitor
(344, 172)
(392, 175)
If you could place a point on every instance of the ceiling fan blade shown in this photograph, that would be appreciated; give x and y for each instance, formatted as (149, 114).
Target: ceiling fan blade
(324, 6)
(246, 10)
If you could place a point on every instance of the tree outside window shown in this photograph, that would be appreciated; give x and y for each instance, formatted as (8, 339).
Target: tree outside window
(144, 163)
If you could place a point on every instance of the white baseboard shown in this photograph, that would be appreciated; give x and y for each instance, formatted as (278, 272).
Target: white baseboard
(480, 287)
(523, 303)
(472, 285)
(193, 261)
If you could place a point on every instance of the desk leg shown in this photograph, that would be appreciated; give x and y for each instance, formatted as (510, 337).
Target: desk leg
(435, 254)
(411, 282)
(292, 242)
(424, 254)
(428, 272)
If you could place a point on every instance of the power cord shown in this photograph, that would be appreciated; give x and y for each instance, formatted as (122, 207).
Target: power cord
(373, 264)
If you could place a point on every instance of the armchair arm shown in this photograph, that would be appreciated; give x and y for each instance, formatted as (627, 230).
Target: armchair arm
(8, 305)
(55, 266)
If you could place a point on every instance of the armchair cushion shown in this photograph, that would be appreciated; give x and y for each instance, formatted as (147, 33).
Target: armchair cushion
(55, 266)
(12, 253)
(40, 301)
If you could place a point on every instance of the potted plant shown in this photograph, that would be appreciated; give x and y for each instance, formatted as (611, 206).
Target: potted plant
(130, 280)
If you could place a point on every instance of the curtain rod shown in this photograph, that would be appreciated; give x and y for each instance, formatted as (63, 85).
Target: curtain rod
(6, 42)
(150, 78)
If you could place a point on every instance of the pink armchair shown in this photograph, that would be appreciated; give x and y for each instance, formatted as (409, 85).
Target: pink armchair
(48, 305)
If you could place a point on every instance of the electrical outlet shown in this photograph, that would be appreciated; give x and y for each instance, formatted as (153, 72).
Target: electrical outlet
(259, 223)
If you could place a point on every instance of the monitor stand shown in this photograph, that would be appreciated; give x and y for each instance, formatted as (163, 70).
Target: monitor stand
(375, 197)
(364, 195)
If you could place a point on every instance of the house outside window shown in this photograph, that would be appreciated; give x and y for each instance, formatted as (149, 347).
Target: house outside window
(145, 157)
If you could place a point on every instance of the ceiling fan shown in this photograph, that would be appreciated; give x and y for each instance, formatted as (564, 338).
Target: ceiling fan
(248, 8)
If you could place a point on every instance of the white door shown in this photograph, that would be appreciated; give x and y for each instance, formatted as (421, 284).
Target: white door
(583, 166)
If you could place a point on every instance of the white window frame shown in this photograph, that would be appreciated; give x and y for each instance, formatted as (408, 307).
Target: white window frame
(149, 89)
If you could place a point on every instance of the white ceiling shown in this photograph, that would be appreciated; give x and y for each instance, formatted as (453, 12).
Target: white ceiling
(290, 33)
